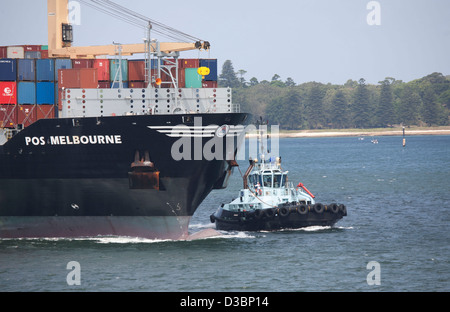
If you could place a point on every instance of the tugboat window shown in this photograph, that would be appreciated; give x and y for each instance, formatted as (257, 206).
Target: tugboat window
(277, 180)
(253, 180)
(267, 179)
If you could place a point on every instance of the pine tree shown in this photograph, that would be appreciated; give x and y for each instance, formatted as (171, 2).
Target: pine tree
(361, 107)
(385, 115)
(286, 110)
(410, 104)
(314, 106)
(228, 77)
(431, 110)
(339, 107)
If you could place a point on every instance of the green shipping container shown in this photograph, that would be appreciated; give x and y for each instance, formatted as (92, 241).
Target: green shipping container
(114, 68)
(44, 47)
(193, 79)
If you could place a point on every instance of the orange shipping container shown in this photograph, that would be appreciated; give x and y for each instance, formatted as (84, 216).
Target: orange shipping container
(88, 78)
(136, 70)
(78, 78)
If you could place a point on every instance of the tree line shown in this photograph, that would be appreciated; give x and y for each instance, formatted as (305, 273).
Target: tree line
(355, 104)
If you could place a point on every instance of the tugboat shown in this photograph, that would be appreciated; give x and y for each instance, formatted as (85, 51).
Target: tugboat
(268, 202)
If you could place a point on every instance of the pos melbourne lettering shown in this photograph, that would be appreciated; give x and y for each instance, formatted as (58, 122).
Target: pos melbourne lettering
(74, 140)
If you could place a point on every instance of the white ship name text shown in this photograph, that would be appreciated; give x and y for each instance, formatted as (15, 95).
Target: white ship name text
(74, 140)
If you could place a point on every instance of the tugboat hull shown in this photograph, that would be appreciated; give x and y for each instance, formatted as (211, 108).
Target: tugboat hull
(277, 218)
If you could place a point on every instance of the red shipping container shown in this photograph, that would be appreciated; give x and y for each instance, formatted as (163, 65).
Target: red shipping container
(104, 85)
(102, 66)
(136, 70)
(45, 112)
(188, 63)
(88, 78)
(181, 78)
(82, 63)
(32, 48)
(26, 114)
(137, 84)
(60, 98)
(8, 92)
(44, 54)
(167, 80)
(68, 78)
(3, 52)
(8, 116)
(78, 78)
(209, 84)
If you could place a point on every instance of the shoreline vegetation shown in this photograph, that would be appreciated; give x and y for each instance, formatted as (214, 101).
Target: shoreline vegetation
(397, 131)
(298, 108)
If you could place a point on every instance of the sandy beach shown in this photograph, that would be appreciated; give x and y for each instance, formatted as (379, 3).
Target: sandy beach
(365, 132)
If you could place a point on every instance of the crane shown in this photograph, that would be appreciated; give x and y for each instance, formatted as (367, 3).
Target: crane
(60, 33)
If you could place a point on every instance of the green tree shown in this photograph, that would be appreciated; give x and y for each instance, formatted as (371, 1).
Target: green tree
(286, 110)
(361, 108)
(276, 81)
(410, 103)
(385, 115)
(253, 81)
(289, 82)
(340, 114)
(431, 111)
(314, 105)
(228, 76)
(241, 73)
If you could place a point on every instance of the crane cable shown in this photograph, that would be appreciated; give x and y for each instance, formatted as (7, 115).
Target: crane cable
(117, 11)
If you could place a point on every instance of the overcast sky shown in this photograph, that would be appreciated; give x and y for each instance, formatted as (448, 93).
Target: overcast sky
(307, 40)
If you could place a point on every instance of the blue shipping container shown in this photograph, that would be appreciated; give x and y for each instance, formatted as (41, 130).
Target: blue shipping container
(154, 63)
(32, 55)
(26, 93)
(62, 64)
(115, 85)
(212, 65)
(114, 70)
(26, 70)
(8, 70)
(45, 70)
(45, 93)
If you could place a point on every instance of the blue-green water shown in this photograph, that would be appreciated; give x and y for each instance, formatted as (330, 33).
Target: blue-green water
(398, 202)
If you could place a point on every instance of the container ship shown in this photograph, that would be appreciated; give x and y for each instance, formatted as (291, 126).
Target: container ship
(95, 146)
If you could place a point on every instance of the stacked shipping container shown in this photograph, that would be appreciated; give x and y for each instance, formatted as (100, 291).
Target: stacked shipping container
(31, 83)
(27, 84)
(8, 92)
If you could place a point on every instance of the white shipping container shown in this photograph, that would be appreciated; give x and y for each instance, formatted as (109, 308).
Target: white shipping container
(15, 52)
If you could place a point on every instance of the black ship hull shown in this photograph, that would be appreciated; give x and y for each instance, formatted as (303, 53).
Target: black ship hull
(273, 219)
(77, 177)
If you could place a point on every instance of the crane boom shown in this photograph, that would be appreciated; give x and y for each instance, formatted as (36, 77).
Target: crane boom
(60, 48)
(127, 49)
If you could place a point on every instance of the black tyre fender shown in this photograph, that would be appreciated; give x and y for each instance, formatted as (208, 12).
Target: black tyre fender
(334, 208)
(269, 213)
(318, 208)
(284, 211)
(302, 209)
